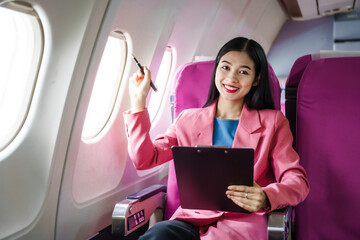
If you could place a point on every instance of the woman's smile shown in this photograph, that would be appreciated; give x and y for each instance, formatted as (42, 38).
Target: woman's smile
(230, 88)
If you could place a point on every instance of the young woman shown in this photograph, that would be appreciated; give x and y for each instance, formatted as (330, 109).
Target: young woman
(241, 113)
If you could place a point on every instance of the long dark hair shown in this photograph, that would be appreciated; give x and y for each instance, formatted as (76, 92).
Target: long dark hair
(259, 96)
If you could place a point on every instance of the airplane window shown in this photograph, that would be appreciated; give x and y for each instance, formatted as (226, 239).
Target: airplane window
(106, 85)
(21, 47)
(162, 83)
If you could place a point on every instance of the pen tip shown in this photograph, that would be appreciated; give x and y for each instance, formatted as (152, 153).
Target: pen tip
(132, 55)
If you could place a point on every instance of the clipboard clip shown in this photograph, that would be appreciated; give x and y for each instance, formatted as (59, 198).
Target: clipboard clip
(211, 146)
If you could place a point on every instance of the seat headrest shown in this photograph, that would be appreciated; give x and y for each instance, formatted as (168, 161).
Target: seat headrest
(192, 83)
(334, 54)
(301, 64)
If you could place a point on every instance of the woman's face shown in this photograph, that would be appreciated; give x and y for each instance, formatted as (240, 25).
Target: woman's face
(235, 75)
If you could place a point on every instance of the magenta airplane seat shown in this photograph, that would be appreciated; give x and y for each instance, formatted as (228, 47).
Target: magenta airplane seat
(327, 140)
(191, 86)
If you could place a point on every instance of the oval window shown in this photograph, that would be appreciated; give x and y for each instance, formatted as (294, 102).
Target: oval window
(106, 86)
(21, 47)
(162, 84)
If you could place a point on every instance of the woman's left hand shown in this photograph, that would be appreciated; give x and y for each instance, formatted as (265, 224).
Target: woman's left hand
(251, 199)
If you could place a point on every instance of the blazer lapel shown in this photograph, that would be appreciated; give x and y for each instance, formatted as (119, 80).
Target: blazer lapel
(202, 128)
(247, 134)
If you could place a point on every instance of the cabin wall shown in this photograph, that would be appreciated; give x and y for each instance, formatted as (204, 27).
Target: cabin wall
(99, 173)
(31, 166)
(298, 38)
(339, 32)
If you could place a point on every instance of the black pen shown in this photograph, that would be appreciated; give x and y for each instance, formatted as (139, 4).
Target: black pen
(142, 71)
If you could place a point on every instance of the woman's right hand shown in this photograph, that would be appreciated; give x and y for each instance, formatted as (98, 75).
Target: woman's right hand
(139, 88)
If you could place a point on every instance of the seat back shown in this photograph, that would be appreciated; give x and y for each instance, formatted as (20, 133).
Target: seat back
(325, 114)
(191, 86)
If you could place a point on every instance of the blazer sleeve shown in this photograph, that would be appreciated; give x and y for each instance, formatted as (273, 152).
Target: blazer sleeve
(144, 152)
(291, 186)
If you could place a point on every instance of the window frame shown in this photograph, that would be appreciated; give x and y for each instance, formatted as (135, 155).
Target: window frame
(33, 67)
(88, 138)
(160, 104)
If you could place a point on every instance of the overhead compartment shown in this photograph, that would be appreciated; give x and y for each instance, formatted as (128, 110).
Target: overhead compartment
(308, 9)
(347, 31)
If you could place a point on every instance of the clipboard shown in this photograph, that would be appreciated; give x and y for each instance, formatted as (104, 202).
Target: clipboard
(203, 174)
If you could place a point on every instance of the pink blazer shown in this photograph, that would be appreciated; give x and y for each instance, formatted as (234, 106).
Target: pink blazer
(266, 131)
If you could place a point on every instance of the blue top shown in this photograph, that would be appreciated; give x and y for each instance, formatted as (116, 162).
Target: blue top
(224, 131)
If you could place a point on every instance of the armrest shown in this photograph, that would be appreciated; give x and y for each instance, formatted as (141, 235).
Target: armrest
(135, 211)
(279, 223)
